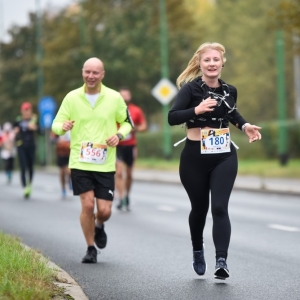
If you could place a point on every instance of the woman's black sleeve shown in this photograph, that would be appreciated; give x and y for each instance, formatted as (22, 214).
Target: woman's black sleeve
(179, 113)
(234, 117)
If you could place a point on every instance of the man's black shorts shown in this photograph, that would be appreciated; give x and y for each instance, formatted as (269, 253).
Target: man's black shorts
(102, 183)
(62, 161)
(126, 154)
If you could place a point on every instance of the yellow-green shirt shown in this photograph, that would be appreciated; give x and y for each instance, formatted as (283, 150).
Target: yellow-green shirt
(92, 124)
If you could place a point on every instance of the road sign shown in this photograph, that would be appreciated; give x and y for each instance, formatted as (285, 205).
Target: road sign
(47, 109)
(164, 91)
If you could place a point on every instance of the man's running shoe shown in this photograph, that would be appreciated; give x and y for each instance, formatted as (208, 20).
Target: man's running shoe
(91, 256)
(100, 237)
(221, 271)
(27, 192)
(199, 264)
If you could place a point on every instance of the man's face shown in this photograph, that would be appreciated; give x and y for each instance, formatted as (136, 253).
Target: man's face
(126, 95)
(92, 75)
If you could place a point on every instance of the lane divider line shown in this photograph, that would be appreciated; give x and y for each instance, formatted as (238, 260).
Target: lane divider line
(284, 227)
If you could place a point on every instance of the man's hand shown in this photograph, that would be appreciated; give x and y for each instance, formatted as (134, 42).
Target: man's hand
(113, 141)
(68, 125)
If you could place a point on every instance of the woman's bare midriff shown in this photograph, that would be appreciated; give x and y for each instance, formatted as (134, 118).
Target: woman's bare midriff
(194, 133)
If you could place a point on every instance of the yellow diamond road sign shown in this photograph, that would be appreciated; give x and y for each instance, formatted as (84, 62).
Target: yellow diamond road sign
(164, 91)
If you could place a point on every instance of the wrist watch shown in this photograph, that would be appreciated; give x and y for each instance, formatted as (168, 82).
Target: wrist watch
(244, 126)
(120, 136)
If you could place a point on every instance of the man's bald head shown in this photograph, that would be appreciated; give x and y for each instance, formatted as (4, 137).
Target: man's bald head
(92, 74)
(95, 62)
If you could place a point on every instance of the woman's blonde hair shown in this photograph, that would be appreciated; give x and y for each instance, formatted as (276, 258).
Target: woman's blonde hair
(192, 70)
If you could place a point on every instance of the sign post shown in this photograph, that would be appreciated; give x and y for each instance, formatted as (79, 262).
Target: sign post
(47, 109)
(164, 91)
(282, 130)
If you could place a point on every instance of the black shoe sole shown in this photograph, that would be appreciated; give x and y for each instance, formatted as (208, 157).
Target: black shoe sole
(221, 274)
(89, 262)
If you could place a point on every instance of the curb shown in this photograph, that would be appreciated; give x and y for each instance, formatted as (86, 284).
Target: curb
(242, 183)
(65, 281)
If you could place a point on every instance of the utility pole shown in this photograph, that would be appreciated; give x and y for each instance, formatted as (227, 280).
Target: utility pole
(39, 50)
(282, 129)
(82, 25)
(296, 40)
(43, 140)
(164, 74)
(1, 24)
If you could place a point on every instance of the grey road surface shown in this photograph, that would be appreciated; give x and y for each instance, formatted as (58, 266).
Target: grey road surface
(149, 253)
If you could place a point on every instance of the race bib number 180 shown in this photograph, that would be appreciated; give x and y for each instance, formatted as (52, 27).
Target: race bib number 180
(215, 140)
(93, 153)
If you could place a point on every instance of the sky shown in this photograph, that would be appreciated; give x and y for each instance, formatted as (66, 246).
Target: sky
(16, 12)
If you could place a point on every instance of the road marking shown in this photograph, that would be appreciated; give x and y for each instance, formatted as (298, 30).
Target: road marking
(166, 208)
(284, 228)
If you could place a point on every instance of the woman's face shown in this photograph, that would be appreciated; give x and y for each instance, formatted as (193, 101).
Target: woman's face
(26, 113)
(211, 63)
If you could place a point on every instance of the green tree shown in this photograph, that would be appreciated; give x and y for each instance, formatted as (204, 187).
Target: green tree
(18, 70)
(243, 27)
(286, 15)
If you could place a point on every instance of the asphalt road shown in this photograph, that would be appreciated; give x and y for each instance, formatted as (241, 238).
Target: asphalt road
(149, 253)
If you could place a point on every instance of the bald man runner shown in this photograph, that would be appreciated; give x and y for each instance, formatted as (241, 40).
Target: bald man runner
(91, 113)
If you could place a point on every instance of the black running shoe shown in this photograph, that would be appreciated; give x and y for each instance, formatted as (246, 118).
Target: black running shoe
(221, 271)
(91, 256)
(199, 264)
(120, 205)
(127, 203)
(100, 237)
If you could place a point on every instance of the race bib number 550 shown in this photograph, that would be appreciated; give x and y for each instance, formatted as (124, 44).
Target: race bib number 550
(215, 140)
(93, 153)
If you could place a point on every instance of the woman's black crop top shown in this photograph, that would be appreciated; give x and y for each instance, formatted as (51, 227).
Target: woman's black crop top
(190, 96)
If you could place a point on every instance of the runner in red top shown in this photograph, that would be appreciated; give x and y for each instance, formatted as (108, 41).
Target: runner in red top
(127, 151)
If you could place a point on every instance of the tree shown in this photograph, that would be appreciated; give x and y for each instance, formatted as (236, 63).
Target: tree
(286, 15)
(18, 76)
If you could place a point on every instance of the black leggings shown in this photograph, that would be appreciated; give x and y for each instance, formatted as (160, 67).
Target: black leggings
(200, 175)
(26, 161)
(8, 164)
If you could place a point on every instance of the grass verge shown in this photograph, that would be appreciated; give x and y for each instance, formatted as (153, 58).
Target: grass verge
(263, 168)
(24, 275)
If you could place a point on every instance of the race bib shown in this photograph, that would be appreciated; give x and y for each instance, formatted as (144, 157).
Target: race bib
(215, 140)
(93, 153)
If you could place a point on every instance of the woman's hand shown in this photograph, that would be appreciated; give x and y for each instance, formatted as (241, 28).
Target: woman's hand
(32, 126)
(206, 105)
(252, 132)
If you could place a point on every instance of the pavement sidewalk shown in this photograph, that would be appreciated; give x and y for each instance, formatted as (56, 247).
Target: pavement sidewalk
(247, 183)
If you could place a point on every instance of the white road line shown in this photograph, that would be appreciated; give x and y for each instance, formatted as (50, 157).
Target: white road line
(166, 208)
(284, 228)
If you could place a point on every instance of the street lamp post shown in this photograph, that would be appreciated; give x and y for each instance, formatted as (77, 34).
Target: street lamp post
(164, 74)
(82, 25)
(43, 142)
(282, 129)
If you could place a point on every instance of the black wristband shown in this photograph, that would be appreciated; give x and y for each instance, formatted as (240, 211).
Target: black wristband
(120, 136)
